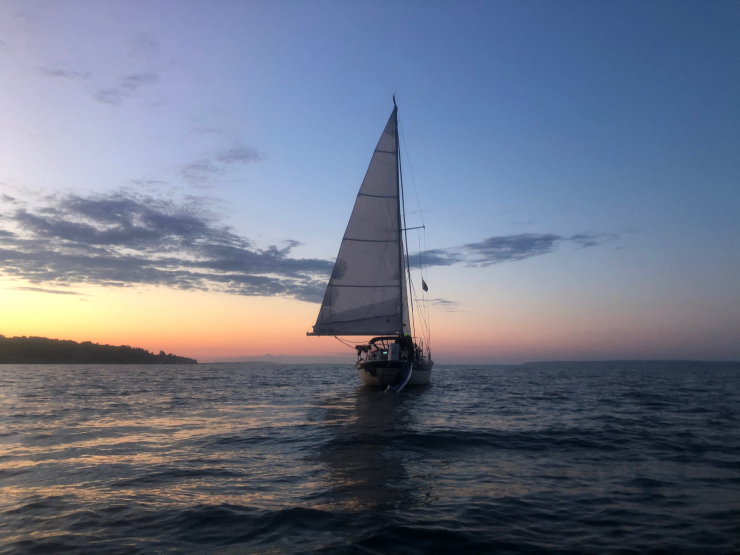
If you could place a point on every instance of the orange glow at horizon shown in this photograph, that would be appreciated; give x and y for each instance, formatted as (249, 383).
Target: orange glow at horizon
(188, 323)
(216, 326)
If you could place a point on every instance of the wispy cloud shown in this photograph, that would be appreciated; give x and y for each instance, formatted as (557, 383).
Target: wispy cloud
(148, 182)
(444, 304)
(42, 290)
(200, 172)
(238, 155)
(584, 240)
(125, 88)
(125, 239)
(143, 45)
(109, 95)
(63, 73)
(137, 80)
(507, 248)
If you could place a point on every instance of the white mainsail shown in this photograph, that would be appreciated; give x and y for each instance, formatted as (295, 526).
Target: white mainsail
(366, 294)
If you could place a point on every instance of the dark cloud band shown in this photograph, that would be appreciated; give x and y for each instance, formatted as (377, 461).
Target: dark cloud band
(125, 239)
(122, 239)
(507, 248)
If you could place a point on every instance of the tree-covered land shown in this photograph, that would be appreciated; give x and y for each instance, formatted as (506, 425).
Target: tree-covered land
(40, 350)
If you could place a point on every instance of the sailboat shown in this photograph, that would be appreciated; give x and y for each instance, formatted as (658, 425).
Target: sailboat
(367, 293)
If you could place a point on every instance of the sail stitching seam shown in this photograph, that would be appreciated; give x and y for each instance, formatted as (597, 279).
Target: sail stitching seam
(376, 196)
(369, 286)
(372, 240)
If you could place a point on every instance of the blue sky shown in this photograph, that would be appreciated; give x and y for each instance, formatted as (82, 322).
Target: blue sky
(619, 122)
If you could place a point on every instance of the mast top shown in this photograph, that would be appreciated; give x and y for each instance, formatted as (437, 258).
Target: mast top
(394, 101)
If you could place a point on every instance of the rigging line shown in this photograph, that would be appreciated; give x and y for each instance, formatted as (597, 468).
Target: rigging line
(425, 331)
(416, 193)
(421, 214)
(421, 274)
(413, 181)
(421, 263)
(416, 298)
(405, 232)
(429, 319)
(424, 295)
(421, 316)
(344, 342)
(426, 327)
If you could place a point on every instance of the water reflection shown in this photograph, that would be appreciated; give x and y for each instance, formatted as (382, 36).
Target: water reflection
(364, 453)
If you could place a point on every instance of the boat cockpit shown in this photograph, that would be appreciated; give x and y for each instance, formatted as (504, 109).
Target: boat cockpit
(394, 348)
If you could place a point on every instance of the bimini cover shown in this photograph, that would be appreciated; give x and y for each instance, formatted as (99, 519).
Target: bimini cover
(363, 296)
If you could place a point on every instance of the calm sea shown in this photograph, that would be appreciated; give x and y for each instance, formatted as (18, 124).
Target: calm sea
(256, 458)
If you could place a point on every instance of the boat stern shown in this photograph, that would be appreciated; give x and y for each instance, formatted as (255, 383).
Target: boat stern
(383, 373)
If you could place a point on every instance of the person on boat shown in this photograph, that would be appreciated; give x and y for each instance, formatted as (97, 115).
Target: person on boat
(407, 343)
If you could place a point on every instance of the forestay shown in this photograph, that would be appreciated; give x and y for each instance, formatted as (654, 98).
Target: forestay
(366, 294)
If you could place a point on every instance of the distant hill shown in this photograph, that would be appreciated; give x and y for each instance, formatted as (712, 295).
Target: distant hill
(40, 350)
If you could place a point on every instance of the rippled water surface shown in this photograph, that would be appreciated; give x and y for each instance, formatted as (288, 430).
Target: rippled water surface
(247, 458)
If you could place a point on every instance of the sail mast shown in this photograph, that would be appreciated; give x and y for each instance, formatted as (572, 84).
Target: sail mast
(404, 244)
(400, 227)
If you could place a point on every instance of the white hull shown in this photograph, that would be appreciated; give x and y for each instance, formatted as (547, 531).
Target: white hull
(385, 376)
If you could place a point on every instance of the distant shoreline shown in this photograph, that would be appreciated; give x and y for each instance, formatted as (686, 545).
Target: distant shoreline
(42, 350)
(617, 364)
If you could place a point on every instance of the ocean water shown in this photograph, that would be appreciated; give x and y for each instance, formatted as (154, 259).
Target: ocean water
(256, 458)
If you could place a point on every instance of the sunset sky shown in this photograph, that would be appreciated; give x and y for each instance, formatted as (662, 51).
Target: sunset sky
(178, 175)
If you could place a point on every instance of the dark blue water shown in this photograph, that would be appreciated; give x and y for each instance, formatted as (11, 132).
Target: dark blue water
(600, 458)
